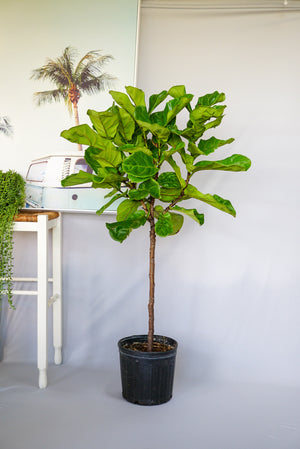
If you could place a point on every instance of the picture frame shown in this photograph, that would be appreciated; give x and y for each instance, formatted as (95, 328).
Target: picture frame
(41, 33)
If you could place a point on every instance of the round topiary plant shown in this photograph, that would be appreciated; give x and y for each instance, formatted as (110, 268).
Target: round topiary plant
(12, 199)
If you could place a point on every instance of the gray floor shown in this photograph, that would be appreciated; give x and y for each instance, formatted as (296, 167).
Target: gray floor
(83, 409)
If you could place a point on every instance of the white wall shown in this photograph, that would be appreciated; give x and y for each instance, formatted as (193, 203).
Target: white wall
(229, 291)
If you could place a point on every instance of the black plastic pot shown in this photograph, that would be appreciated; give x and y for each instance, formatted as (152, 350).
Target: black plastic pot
(147, 377)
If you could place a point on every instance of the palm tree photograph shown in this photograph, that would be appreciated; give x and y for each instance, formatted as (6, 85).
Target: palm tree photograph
(71, 80)
(5, 126)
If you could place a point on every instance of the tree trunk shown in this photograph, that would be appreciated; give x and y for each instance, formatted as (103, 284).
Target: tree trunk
(151, 278)
(76, 116)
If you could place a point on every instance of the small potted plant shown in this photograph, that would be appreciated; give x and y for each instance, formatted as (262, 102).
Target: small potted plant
(12, 199)
(148, 163)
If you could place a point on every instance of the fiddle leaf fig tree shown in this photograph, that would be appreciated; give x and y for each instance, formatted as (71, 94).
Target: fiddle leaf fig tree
(140, 153)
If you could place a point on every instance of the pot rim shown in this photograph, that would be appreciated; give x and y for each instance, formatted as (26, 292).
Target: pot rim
(143, 354)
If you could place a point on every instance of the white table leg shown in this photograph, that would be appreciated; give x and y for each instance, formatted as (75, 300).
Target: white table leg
(42, 299)
(57, 292)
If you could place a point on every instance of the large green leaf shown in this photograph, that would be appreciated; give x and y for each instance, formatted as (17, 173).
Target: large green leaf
(138, 194)
(152, 187)
(86, 136)
(213, 200)
(125, 209)
(113, 179)
(108, 175)
(194, 150)
(192, 213)
(141, 114)
(169, 179)
(120, 230)
(157, 99)
(177, 222)
(214, 123)
(105, 123)
(156, 129)
(123, 100)
(133, 148)
(168, 195)
(137, 95)
(105, 158)
(81, 177)
(192, 133)
(211, 99)
(176, 169)
(146, 188)
(203, 113)
(168, 224)
(126, 124)
(163, 226)
(177, 91)
(173, 150)
(173, 107)
(236, 162)
(139, 167)
(109, 203)
(210, 145)
(159, 117)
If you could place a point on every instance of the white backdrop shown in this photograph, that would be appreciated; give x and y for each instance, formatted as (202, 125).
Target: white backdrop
(229, 291)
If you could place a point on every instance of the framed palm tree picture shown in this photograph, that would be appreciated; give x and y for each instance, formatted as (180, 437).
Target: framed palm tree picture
(63, 58)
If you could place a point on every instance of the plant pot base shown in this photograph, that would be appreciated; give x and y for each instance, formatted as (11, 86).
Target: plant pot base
(147, 377)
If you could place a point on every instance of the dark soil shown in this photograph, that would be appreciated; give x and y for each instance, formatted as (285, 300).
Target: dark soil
(142, 346)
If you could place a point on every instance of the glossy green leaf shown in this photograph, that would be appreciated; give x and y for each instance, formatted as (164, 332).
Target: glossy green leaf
(132, 148)
(168, 195)
(159, 117)
(120, 230)
(146, 188)
(192, 213)
(81, 177)
(139, 167)
(236, 162)
(141, 114)
(105, 123)
(187, 159)
(213, 200)
(105, 158)
(123, 100)
(86, 136)
(125, 209)
(158, 211)
(177, 222)
(210, 145)
(168, 179)
(213, 123)
(176, 169)
(126, 124)
(137, 95)
(173, 107)
(163, 226)
(156, 100)
(109, 203)
(173, 150)
(177, 91)
(138, 194)
(193, 133)
(152, 187)
(211, 99)
(204, 113)
(194, 150)
(156, 129)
